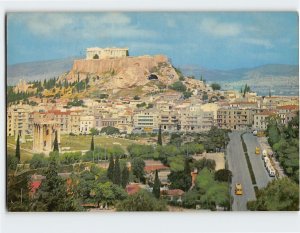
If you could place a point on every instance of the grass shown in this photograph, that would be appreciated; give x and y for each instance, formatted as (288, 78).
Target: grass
(83, 142)
(11, 148)
(76, 143)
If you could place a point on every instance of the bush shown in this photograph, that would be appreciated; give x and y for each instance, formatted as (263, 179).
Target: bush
(109, 130)
(141, 201)
(223, 175)
(38, 161)
(178, 86)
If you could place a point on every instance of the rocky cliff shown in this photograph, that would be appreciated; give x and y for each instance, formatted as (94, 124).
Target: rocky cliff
(122, 73)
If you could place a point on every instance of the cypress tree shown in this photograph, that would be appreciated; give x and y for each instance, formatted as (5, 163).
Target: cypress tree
(159, 138)
(55, 143)
(156, 186)
(18, 153)
(92, 144)
(111, 168)
(270, 93)
(187, 168)
(117, 172)
(125, 176)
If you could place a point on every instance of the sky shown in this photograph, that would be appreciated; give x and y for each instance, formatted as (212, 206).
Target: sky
(212, 40)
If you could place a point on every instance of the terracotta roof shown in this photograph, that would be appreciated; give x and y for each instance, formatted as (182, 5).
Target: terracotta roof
(132, 188)
(288, 107)
(155, 167)
(268, 113)
(174, 192)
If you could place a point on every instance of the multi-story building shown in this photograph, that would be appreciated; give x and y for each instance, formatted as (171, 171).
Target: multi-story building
(18, 121)
(63, 119)
(86, 124)
(146, 121)
(75, 122)
(169, 121)
(196, 121)
(235, 119)
(261, 120)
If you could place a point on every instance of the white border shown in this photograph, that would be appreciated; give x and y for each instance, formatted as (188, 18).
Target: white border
(137, 222)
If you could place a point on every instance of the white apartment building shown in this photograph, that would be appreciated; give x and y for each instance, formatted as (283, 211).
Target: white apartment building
(86, 124)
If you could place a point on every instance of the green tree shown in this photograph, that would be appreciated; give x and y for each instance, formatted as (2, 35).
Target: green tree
(55, 143)
(18, 153)
(136, 97)
(109, 130)
(223, 175)
(94, 131)
(117, 172)
(156, 186)
(178, 86)
(92, 144)
(215, 86)
(111, 168)
(125, 176)
(279, 195)
(159, 137)
(53, 195)
(138, 165)
(141, 201)
(38, 161)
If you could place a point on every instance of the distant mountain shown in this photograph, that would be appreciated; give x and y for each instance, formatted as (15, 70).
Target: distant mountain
(279, 78)
(39, 70)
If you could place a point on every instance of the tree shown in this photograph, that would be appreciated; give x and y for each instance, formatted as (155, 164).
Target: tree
(204, 96)
(55, 143)
(187, 94)
(223, 175)
(138, 165)
(125, 176)
(279, 195)
(215, 86)
(156, 186)
(159, 137)
(38, 161)
(18, 153)
(117, 172)
(141, 201)
(94, 131)
(92, 144)
(53, 195)
(136, 97)
(178, 86)
(109, 130)
(111, 168)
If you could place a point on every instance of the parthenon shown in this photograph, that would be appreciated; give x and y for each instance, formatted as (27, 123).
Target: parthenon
(102, 53)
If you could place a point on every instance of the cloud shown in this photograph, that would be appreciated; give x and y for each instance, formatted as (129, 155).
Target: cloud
(85, 26)
(42, 24)
(219, 29)
(260, 42)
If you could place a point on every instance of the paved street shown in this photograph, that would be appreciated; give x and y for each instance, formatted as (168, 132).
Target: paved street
(238, 165)
(260, 172)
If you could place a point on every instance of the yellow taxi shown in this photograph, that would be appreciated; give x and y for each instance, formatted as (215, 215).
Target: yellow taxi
(238, 189)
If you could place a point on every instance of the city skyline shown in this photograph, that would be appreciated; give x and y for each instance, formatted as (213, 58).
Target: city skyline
(212, 40)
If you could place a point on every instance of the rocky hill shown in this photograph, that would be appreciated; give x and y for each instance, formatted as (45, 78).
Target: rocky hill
(122, 73)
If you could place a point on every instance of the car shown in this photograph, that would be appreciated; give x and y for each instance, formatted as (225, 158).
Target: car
(257, 150)
(238, 189)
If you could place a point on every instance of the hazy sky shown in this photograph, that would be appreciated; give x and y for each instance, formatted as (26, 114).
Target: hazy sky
(212, 40)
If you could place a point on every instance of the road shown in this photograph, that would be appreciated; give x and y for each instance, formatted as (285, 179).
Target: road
(261, 176)
(238, 165)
